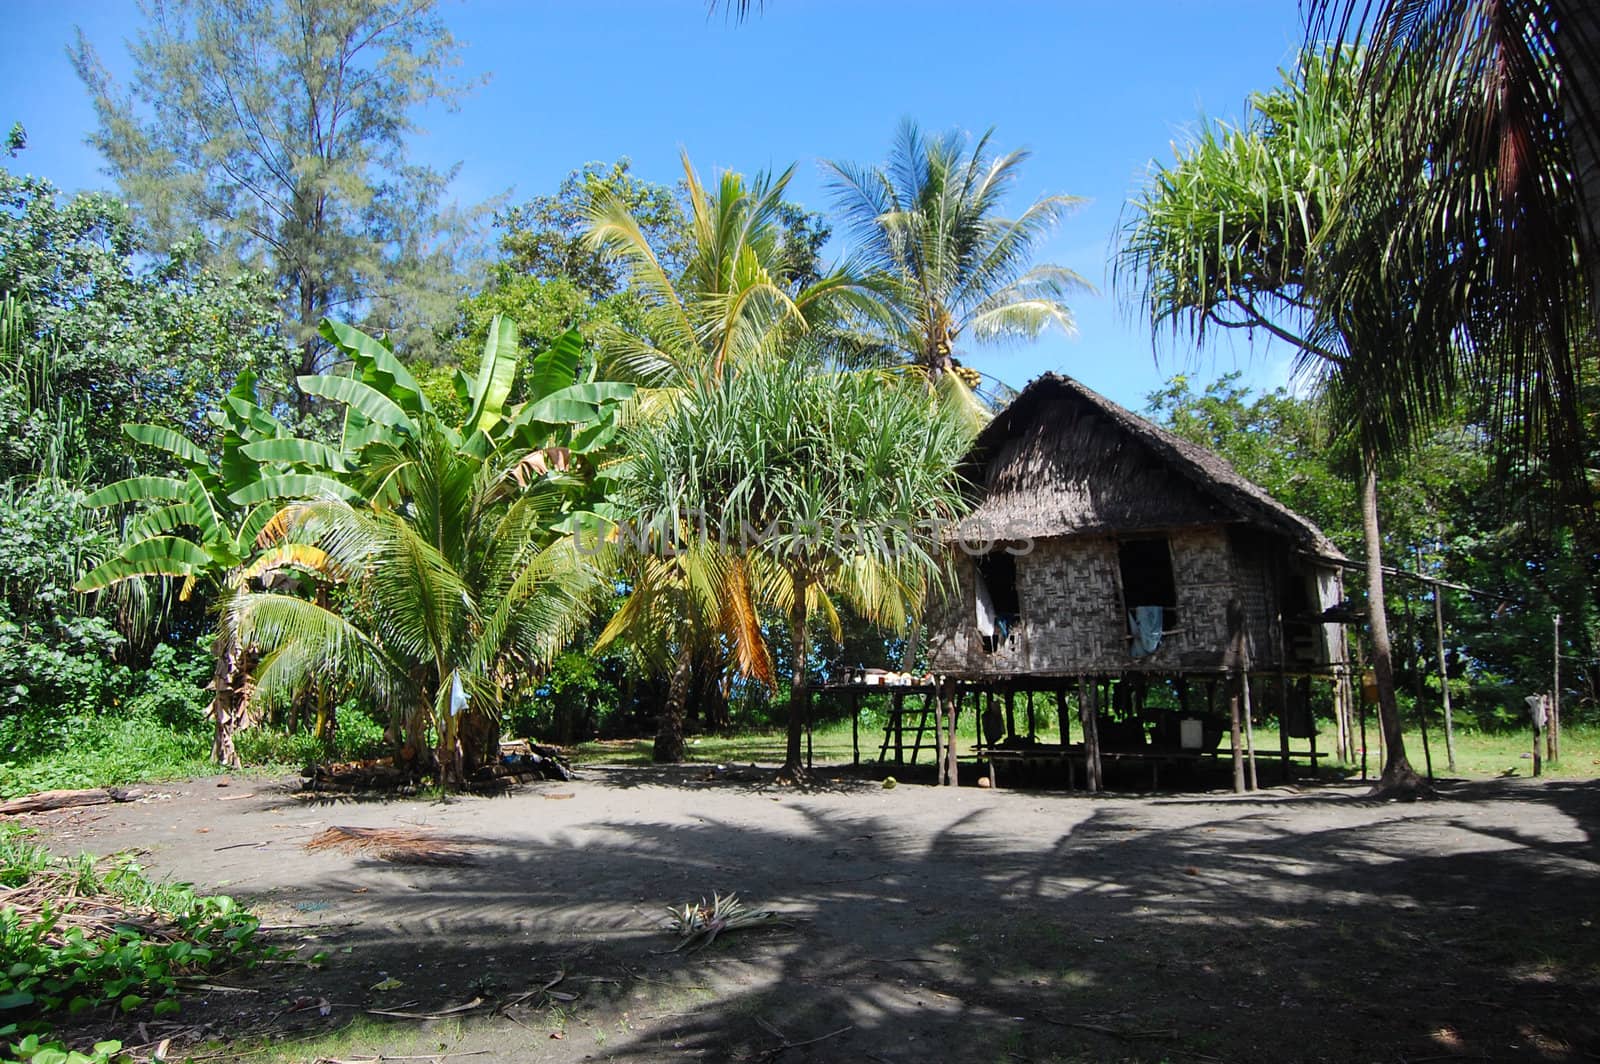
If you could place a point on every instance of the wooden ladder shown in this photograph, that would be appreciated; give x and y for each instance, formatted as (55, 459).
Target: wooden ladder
(894, 726)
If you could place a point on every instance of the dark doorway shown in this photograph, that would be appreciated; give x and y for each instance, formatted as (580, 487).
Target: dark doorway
(1148, 582)
(998, 572)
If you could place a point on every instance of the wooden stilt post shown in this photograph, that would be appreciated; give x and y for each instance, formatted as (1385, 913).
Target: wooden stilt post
(1284, 766)
(1444, 679)
(1249, 731)
(855, 727)
(897, 714)
(1236, 736)
(1538, 706)
(1031, 732)
(1011, 713)
(952, 772)
(1414, 653)
(1091, 748)
(938, 727)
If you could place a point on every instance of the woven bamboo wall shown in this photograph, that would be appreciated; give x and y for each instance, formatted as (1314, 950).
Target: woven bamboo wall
(1074, 619)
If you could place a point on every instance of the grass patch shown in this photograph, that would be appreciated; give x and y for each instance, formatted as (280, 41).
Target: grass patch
(106, 751)
(1479, 754)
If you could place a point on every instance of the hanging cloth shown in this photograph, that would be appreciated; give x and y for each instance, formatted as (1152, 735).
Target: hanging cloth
(985, 606)
(1144, 624)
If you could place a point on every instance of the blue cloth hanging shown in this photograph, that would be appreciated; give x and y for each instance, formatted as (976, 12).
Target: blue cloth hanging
(1144, 624)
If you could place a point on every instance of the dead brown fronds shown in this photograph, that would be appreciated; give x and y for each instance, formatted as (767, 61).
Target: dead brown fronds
(395, 845)
(74, 902)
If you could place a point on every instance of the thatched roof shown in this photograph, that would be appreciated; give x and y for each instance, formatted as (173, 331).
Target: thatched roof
(1064, 460)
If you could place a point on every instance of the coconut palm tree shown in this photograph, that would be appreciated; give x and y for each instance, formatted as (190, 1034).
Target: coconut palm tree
(930, 220)
(1239, 234)
(825, 486)
(732, 301)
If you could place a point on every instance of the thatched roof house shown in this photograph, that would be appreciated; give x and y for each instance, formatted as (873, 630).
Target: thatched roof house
(1104, 545)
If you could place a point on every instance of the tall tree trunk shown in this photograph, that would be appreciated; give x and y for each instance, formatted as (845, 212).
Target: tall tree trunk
(229, 714)
(793, 765)
(669, 726)
(1398, 775)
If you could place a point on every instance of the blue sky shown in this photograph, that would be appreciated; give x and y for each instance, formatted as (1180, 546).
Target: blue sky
(1095, 90)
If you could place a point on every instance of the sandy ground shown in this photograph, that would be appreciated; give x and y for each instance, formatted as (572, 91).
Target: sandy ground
(922, 923)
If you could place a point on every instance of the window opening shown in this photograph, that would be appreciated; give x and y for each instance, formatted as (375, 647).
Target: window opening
(1149, 592)
(999, 606)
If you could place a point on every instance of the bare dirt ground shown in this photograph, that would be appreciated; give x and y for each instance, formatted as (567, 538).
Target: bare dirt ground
(923, 924)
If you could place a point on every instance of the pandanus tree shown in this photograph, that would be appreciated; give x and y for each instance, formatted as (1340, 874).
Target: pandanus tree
(799, 489)
(1240, 232)
(462, 581)
(731, 304)
(200, 527)
(932, 221)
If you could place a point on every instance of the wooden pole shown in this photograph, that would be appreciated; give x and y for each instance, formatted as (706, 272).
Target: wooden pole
(1553, 732)
(1283, 701)
(1444, 680)
(1361, 704)
(1249, 730)
(1088, 699)
(1238, 742)
(1031, 731)
(938, 726)
(1414, 653)
(897, 714)
(855, 727)
(1538, 725)
(952, 767)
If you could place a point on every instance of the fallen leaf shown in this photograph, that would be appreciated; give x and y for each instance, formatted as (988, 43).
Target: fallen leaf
(558, 797)
(390, 983)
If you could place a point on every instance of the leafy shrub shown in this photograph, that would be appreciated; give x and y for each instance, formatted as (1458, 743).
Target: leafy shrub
(357, 736)
(567, 706)
(172, 690)
(79, 935)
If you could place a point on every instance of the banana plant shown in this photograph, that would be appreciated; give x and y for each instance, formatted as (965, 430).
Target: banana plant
(200, 525)
(467, 580)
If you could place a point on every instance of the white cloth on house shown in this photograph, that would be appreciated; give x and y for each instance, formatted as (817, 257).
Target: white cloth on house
(985, 606)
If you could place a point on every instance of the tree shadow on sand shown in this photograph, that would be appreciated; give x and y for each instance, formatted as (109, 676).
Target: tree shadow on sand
(1317, 928)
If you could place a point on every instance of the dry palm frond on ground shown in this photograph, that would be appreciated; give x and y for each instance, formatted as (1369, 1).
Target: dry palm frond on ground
(63, 898)
(394, 844)
(699, 925)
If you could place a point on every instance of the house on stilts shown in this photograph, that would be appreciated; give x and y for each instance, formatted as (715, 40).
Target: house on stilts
(1160, 600)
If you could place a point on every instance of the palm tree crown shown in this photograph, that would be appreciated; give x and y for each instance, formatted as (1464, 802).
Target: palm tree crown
(930, 220)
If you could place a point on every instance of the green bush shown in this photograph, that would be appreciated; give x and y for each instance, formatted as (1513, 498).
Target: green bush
(54, 964)
(357, 736)
(99, 752)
